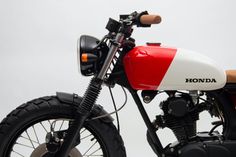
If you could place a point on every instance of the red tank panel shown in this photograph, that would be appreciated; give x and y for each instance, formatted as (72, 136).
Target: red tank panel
(145, 66)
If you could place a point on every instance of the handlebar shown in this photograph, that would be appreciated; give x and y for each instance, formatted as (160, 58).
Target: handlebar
(150, 19)
(122, 30)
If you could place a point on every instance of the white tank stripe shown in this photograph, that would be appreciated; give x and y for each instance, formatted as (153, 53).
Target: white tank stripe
(188, 65)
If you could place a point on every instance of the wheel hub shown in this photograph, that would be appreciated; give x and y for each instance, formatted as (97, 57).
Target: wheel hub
(41, 150)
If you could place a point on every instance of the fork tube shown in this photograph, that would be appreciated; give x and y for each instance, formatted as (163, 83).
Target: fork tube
(151, 129)
(115, 45)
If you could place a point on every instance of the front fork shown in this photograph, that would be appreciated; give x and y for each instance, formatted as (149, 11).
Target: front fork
(83, 112)
(88, 101)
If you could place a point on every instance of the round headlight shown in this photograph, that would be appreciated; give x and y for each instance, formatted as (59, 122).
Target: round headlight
(90, 55)
(87, 47)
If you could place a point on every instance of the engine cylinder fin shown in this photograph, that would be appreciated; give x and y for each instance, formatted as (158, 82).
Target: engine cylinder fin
(179, 117)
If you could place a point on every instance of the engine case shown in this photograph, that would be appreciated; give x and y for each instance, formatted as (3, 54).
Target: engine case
(209, 149)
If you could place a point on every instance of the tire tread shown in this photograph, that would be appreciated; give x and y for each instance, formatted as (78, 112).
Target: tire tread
(49, 103)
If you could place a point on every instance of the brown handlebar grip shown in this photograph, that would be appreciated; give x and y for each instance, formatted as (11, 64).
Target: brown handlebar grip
(150, 19)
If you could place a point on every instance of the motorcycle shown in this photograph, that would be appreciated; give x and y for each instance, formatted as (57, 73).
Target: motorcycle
(67, 125)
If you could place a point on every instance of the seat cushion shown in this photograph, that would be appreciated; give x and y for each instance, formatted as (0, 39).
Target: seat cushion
(231, 76)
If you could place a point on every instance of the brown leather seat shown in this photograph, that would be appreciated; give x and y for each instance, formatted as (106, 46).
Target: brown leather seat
(231, 76)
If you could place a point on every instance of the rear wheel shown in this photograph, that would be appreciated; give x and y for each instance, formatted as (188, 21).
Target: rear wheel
(23, 132)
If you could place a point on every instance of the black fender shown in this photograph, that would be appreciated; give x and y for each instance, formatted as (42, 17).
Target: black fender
(74, 99)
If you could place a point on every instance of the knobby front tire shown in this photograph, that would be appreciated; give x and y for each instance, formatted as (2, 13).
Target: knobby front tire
(24, 130)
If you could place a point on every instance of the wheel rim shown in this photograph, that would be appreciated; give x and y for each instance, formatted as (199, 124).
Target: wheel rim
(31, 141)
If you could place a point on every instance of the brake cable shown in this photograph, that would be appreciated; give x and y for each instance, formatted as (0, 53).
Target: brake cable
(116, 110)
(114, 105)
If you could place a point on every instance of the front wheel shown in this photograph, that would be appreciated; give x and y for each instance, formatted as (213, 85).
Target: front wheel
(23, 132)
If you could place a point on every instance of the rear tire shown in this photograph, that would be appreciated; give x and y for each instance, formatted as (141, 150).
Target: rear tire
(47, 108)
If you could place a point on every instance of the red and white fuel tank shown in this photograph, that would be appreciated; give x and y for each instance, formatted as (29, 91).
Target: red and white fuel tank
(154, 67)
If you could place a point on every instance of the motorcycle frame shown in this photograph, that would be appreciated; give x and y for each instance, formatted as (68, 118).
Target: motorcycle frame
(151, 130)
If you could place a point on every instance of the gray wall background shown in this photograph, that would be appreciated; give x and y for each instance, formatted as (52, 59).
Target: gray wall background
(38, 49)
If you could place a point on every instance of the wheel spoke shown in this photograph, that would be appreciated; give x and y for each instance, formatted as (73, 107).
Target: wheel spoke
(30, 139)
(86, 137)
(24, 145)
(18, 153)
(43, 127)
(82, 131)
(36, 134)
(61, 125)
(94, 152)
(90, 148)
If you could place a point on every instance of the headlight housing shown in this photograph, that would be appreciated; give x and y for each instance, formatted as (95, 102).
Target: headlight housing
(91, 56)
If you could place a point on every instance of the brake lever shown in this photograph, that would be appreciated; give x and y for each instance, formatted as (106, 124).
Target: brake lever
(129, 19)
(137, 20)
(134, 19)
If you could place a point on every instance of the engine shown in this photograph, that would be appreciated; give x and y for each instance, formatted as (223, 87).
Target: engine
(180, 115)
